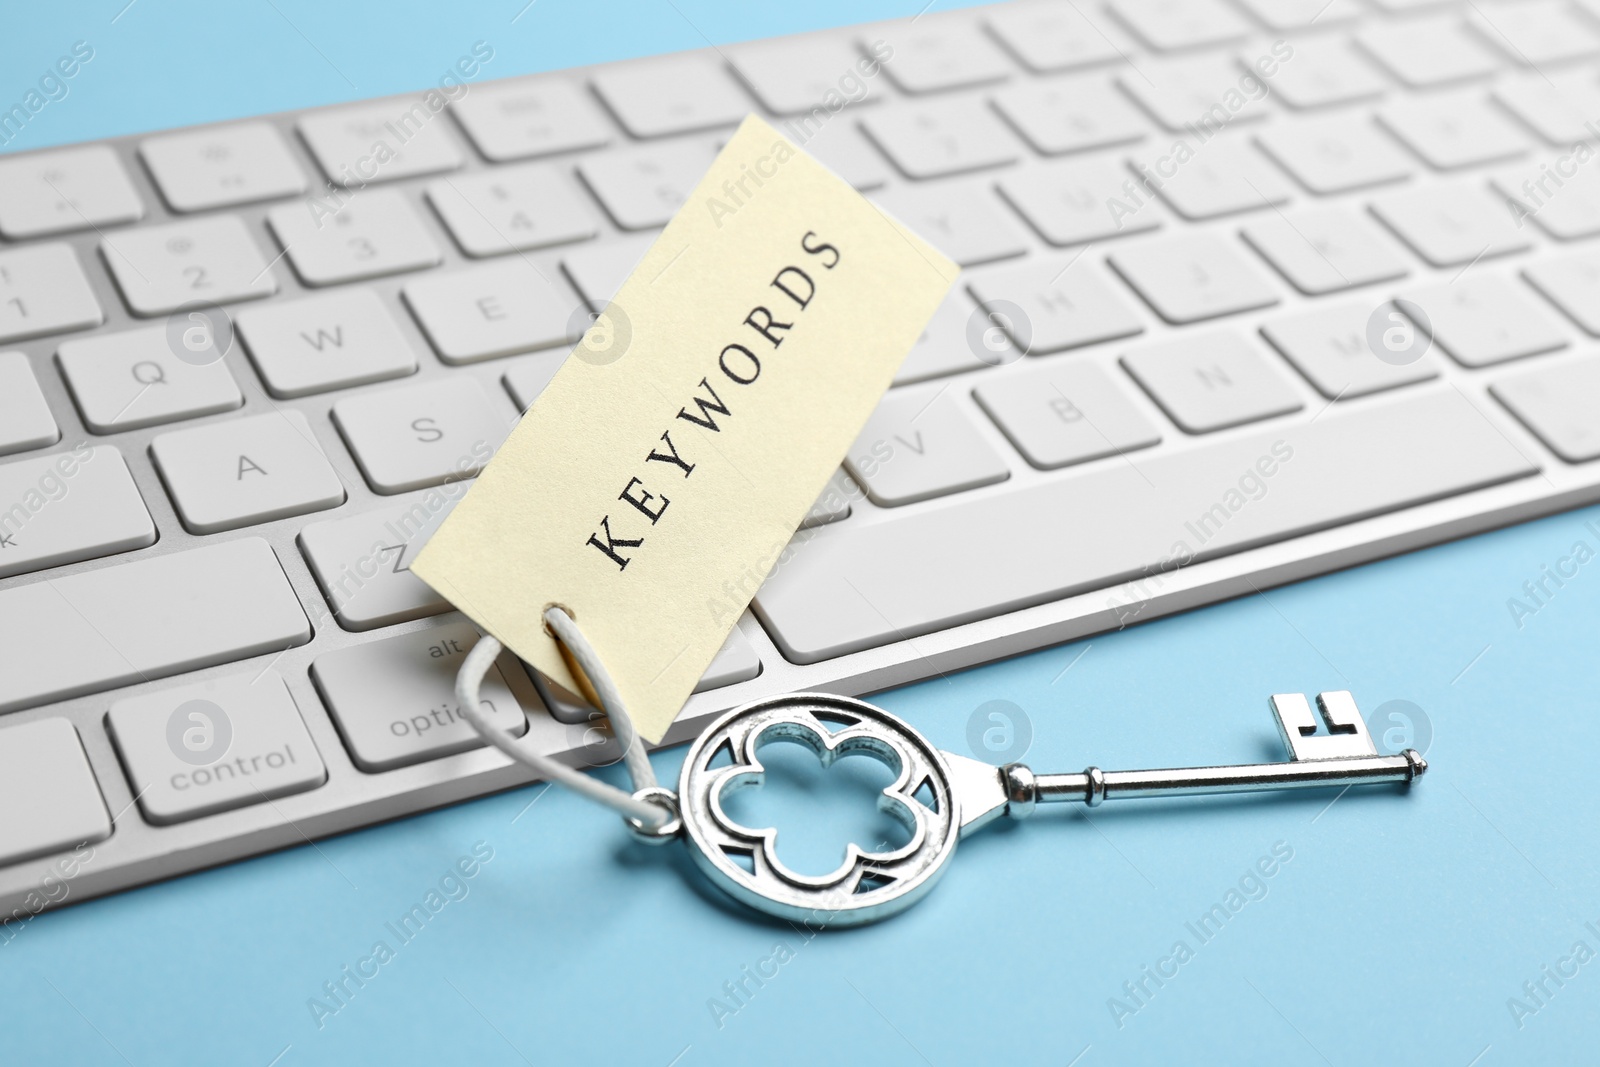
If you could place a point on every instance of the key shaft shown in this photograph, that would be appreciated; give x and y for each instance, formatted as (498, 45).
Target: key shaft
(1024, 789)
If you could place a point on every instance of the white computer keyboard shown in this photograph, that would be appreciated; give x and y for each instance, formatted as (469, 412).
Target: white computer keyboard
(1183, 216)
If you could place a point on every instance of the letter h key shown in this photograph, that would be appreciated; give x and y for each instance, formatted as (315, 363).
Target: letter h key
(1345, 755)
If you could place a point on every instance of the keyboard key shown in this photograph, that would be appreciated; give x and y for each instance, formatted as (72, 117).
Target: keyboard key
(244, 471)
(1448, 131)
(46, 779)
(421, 435)
(214, 746)
(529, 375)
(126, 381)
(1065, 304)
(1325, 250)
(1557, 107)
(800, 75)
(934, 141)
(1567, 208)
(1065, 413)
(69, 506)
(597, 271)
(1286, 15)
(1175, 25)
(359, 561)
(843, 149)
(943, 347)
(1557, 402)
(1226, 177)
(43, 290)
(324, 342)
(25, 419)
(530, 117)
(938, 52)
(642, 188)
(1450, 225)
(1535, 34)
(161, 268)
(1077, 201)
(962, 221)
(144, 620)
(1211, 381)
(222, 166)
(1326, 71)
(512, 209)
(1070, 114)
(1335, 153)
(673, 94)
(1427, 52)
(394, 700)
(370, 235)
(498, 309)
(858, 586)
(1483, 318)
(1329, 346)
(1571, 283)
(1048, 38)
(918, 445)
(379, 141)
(1192, 91)
(66, 190)
(1193, 277)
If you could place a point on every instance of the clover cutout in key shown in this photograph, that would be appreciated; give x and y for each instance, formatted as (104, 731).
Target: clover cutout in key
(744, 859)
(818, 803)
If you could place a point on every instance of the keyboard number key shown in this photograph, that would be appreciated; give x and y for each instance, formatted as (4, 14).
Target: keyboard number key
(43, 290)
(512, 209)
(161, 268)
(368, 236)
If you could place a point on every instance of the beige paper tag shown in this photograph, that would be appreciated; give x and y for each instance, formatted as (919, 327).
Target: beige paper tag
(654, 482)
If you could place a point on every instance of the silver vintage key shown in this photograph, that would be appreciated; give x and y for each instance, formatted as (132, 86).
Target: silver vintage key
(940, 797)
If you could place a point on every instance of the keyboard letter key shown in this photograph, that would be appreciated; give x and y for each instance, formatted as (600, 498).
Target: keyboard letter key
(245, 471)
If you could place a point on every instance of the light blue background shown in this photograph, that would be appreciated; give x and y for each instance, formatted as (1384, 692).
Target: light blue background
(1397, 932)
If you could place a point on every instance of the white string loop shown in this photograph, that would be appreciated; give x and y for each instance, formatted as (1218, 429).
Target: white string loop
(652, 816)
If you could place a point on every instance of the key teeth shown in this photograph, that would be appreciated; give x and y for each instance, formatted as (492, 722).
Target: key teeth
(1347, 732)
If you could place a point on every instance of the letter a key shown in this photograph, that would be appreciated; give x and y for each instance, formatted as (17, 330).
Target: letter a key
(940, 797)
